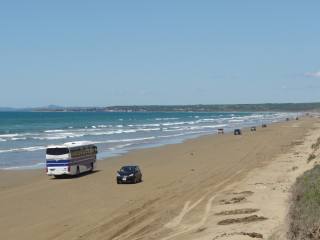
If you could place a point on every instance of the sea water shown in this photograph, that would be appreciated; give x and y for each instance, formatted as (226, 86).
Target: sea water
(24, 136)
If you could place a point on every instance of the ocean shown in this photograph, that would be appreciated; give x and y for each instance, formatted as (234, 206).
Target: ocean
(25, 135)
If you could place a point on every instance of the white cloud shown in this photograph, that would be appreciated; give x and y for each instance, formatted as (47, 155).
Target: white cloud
(313, 74)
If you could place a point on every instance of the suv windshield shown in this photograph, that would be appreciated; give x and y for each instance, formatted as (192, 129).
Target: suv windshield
(127, 169)
(57, 151)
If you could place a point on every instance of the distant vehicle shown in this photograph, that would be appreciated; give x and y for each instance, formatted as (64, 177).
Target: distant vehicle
(220, 131)
(129, 174)
(237, 132)
(70, 158)
(253, 129)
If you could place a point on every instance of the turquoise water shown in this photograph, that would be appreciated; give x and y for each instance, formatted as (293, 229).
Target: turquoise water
(25, 135)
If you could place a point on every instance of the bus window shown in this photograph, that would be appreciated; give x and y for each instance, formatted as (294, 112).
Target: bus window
(57, 151)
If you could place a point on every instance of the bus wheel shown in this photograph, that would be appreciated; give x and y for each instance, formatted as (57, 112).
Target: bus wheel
(78, 171)
(92, 167)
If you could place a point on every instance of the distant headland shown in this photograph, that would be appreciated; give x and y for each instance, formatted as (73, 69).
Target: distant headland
(264, 107)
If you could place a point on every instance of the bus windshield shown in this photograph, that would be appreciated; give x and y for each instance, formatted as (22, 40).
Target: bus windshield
(57, 151)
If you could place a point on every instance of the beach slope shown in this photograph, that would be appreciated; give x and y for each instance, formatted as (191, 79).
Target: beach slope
(212, 187)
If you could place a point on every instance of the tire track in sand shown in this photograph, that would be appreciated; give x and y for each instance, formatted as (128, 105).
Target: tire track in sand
(176, 222)
(186, 209)
(193, 227)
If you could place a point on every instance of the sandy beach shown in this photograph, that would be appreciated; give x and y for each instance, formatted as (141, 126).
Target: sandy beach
(212, 187)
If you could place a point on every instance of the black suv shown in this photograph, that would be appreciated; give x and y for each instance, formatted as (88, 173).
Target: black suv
(129, 174)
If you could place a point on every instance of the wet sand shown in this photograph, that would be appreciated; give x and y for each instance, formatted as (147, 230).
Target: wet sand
(183, 186)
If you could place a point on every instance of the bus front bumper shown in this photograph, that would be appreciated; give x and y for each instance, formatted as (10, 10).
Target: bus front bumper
(52, 171)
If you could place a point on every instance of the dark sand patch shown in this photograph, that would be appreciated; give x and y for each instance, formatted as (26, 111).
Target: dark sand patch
(201, 229)
(233, 200)
(252, 235)
(252, 218)
(238, 211)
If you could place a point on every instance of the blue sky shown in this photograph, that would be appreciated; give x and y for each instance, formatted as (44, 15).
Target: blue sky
(99, 53)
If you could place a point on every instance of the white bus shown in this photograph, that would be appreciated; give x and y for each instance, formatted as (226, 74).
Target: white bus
(70, 158)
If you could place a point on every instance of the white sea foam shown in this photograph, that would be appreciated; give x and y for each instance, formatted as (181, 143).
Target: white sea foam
(88, 129)
(120, 146)
(151, 125)
(257, 116)
(176, 129)
(2, 140)
(172, 130)
(188, 128)
(37, 165)
(183, 134)
(166, 119)
(131, 139)
(25, 149)
(176, 123)
(101, 133)
(207, 120)
(236, 120)
(148, 129)
(9, 135)
(123, 131)
(54, 131)
(145, 125)
(50, 138)
(173, 135)
(207, 126)
(19, 138)
(126, 140)
(58, 135)
(103, 126)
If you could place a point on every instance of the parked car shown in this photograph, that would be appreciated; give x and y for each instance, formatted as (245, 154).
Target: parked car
(220, 131)
(237, 132)
(253, 129)
(129, 174)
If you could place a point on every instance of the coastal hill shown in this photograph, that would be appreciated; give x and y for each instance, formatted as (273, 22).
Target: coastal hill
(286, 107)
(294, 107)
(220, 108)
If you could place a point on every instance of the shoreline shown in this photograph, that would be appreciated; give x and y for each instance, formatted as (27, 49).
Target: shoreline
(192, 172)
(174, 140)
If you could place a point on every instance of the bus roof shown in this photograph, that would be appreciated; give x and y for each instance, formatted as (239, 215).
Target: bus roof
(71, 144)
